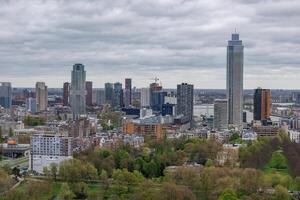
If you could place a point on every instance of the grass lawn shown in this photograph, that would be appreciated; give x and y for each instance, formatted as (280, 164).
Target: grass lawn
(277, 164)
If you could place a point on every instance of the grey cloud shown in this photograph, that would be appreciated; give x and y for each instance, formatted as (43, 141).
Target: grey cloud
(175, 39)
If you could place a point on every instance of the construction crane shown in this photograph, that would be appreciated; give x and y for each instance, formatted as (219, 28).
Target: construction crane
(156, 79)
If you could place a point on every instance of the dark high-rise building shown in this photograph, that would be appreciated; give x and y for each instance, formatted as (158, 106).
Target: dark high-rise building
(235, 62)
(109, 90)
(66, 94)
(5, 94)
(185, 97)
(262, 104)
(158, 99)
(127, 95)
(168, 109)
(154, 87)
(118, 95)
(89, 93)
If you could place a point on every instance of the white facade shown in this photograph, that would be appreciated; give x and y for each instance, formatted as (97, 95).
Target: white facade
(145, 112)
(294, 136)
(170, 99)
(145, 97)
(47, 149)
(38, 162)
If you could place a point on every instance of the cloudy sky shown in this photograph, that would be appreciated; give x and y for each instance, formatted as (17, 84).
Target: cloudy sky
(175, 40)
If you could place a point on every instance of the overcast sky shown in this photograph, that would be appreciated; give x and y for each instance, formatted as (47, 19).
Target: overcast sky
(175, 40)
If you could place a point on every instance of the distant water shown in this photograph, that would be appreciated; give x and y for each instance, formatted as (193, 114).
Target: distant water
(208, 110)
(204, 109)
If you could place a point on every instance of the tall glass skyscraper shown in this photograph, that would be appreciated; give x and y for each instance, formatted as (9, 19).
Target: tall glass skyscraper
(5, 94)
(118, 95)
(109, 91)
(127, 98)
(78, 92)
(235, 62)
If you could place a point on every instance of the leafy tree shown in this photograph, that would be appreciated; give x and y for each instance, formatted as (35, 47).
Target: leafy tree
(125, 181)
(251, 180)
(16, 171)
(53, 171)
(278, 161)
(234, 138)
(209, 163)
(297, 183)
(104, 179)
(33, 121)
(171, 191)
(65, 192)
(80, 190)
(75, 170)
(228, 194)
(46, 171)
(281, 193)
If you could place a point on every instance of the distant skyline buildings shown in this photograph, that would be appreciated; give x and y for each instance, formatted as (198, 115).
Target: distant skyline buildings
(78, 90)
(235, 74)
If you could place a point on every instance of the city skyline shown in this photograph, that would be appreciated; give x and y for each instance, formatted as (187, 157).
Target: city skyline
(173, 40)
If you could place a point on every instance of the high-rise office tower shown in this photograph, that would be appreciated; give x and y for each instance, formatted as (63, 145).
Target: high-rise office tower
(154, 87)
(262, 104)
(5, 94)
(78, 92)
(89, 93)
(66, 94)
(127, 96)
(145, 97)
(109, 91)
(118, 95)
(158, 99)
(41, 93)
(185, 100)
(235, 60)
(220, 114)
